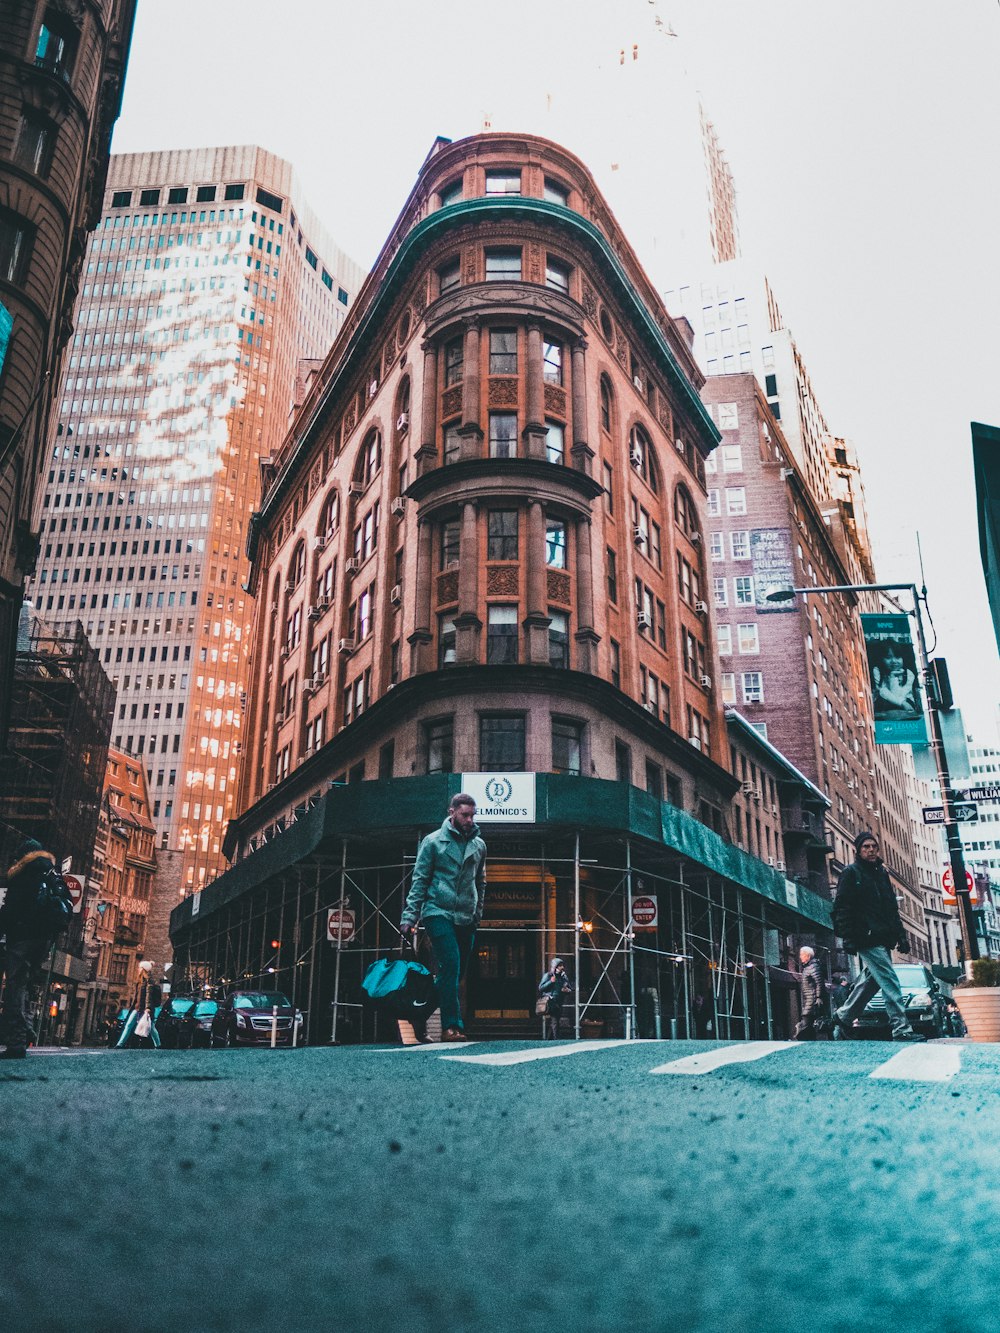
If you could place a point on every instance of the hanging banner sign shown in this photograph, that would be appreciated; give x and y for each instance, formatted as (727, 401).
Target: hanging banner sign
(897, 693)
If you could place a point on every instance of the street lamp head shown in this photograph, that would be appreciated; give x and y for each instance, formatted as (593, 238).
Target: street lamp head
(779, 595)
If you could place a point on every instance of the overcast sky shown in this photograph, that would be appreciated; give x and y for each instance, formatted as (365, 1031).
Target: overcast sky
(863, 137)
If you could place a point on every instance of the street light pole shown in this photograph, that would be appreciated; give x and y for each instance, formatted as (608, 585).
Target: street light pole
(956, 856)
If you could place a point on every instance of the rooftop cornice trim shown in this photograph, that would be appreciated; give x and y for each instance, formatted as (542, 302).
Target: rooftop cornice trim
(473, 469)
(399, 267)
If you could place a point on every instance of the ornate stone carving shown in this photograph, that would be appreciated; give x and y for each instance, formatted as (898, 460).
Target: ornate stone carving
(534, 264)
(589, 300)
(664, 415)
(469, 264)
(447, 587)
(557, 586)
(350, 420)
(503, 392)
(555, 400)
(420, 298)
(388, 354)
(451, 401)
(621, 348)
(501, 581)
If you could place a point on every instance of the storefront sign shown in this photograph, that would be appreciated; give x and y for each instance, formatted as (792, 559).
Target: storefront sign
(502, 798)
(897, 697)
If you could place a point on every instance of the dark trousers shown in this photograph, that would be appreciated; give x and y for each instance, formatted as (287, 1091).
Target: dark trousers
(452, 946)
(20, 958)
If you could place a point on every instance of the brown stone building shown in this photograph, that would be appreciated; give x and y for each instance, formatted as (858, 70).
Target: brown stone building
(480, 559)
(62, 65)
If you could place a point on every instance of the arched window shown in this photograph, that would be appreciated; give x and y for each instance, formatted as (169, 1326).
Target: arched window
(685, 514)
(640, 453)
(329, 518)
(369, 459)
(607, 405)
(403, 408)
(297, 569)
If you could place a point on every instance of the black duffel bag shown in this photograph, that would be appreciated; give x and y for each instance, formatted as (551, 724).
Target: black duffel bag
(401, 988)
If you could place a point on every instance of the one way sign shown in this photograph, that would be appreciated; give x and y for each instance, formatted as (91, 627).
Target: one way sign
(965, 812)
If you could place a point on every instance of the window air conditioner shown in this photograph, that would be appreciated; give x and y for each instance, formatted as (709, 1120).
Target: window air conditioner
(639, 537)
(345, 646)
(779, 865)
(319, 543)
(353, 565)
(694, 538)
(402, 421)
(635, 458)
(770, 860)
(705, 682)
(747, 788)
(695, 741)
(396, 596)
(279, 719)
(355, 488)
(643, 621)
(637, 381)
(398, 506)
(701, 608)
(285, 650)
(317, 610)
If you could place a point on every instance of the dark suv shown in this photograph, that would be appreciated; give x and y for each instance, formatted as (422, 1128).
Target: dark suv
(925, 1000)
(244, 1018)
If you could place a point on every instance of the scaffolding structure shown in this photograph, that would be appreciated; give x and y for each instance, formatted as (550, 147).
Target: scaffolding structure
(704, 968)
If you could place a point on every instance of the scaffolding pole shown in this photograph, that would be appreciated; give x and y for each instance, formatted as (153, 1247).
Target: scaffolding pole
(340, 942)
(579, 926)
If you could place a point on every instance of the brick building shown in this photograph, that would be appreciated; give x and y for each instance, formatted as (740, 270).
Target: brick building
(480, 557)
(62, 67)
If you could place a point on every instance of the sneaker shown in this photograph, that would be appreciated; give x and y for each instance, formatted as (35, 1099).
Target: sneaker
(907, 1034)
(453, 1034)
(838, 1028)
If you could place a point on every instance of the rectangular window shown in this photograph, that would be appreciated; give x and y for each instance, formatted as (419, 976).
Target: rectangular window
(552, 363)
(623, 762)
(728, 683)
(732, 458)
(555, 543)
(454, 361)
(386, 759)
(234, 191)
(748, 638)
(609, 487)
(556, 275)
(451, 193)
(452, 442)
(616, 663)
(446, 641)
(205, 194)
(272, 201)
(16, 240)
(503, 265)
(558, 639)
(729, 417)
(716, 545)
(743, 590)
(567, 744)
(724, 640)
(36, 138)
(503, 351)
(149, 197)
(502, 534)
(501, 744)
(501, 635)
(739, 544)
(177, 194)
(503, 434)
(503, 182)
(654, 780)
(554, 192)
(753, 687)
(121, 199)
(736, 500)
(720, 591)
(55, 49)
(449, 276)
(612, 576)
(450, 543)
(713, 509)
(439, 739)
(555, 442)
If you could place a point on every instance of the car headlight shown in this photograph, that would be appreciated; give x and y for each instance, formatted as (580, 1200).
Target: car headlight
(921, 999)
(242, 1020)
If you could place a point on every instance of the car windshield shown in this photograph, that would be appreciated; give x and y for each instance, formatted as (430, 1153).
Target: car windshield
(205, 1009)
(911, 978)
(180, 1006)
(260, 1000)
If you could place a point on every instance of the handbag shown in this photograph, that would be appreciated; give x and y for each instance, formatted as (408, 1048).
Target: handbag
(145, 1025)
(542, 1006)
(399, 987)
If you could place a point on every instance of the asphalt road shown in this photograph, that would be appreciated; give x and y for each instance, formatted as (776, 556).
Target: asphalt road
(604, 1186)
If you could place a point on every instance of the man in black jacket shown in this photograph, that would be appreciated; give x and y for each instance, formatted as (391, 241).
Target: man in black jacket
(866, 917)
(29, 939)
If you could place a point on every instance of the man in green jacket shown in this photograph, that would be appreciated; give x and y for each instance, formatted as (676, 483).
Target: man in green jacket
(446, 896)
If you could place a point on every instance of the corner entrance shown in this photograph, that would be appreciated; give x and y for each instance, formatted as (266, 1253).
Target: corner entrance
(507, 960)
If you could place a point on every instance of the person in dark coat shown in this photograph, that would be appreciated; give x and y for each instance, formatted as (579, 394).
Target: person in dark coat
(813, 995)
(555, 986)
(866, 917)
(28, 941)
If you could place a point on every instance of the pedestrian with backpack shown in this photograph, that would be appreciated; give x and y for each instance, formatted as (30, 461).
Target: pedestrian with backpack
(36, 909)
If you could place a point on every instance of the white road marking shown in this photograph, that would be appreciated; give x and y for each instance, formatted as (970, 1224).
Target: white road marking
(707, 1061)
(548, 1052)
(923, 1064)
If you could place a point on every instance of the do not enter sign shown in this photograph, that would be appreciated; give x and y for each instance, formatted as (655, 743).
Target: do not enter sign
(340, 925)
(948, 887)
(75, 887)
(644, 912)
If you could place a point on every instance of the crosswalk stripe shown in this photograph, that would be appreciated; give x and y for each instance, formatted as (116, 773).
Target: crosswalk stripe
(922, 1064)
(707, 1061)
(548, 1052)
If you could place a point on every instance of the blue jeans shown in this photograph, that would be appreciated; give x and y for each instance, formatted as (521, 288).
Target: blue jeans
(877, 973)
(452, 946)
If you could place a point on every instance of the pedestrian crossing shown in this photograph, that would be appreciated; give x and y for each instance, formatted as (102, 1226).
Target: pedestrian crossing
(930, 1063)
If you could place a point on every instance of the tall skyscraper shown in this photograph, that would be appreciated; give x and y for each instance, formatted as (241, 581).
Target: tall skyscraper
(206, 282)
(61, 73)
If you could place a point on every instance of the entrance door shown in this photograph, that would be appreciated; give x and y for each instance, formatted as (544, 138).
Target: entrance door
(502, 981)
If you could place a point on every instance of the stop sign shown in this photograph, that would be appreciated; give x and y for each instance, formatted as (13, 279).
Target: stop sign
(644, 912)
(340, 925)
(948, 886)
(75, 887)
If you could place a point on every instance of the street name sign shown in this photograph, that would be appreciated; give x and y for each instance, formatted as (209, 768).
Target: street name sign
(965, 812)
(982, 794)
